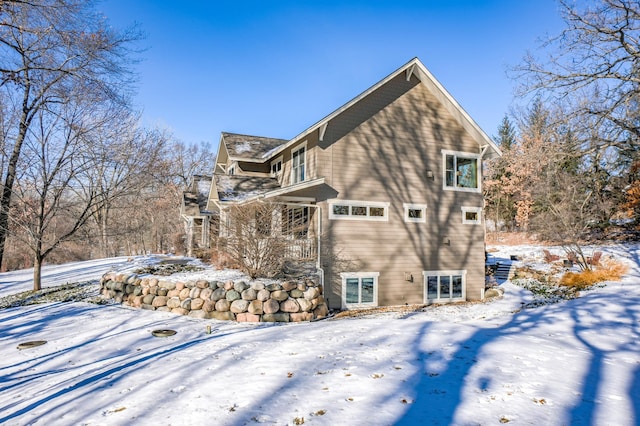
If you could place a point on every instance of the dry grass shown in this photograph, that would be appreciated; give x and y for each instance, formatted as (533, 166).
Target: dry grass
(511, 238)
(609, 270)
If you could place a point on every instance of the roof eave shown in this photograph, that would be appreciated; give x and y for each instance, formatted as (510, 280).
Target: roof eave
(417, 68)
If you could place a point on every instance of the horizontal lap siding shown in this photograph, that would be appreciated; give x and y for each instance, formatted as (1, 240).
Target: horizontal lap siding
(310, 160)
(385, 158)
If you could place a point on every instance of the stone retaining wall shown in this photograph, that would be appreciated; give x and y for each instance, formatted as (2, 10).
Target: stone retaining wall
(294, 301)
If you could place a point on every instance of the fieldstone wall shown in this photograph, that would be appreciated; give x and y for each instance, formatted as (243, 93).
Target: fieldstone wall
(294, 301)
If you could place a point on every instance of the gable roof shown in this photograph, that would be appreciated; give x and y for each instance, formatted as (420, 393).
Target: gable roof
(241, 188)
(412, 68)
(250, 148)
(194, 201)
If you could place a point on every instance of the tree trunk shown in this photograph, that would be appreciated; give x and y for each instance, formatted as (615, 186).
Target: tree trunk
(7, 190)
(103, 231)
(37, 273)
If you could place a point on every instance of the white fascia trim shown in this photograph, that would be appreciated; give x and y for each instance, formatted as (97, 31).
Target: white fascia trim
(334, 114)
(428, 79)
(413, 67)
(295, 187)
(276, 192)
(246, 160)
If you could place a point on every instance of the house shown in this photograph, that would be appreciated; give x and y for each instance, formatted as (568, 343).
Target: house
(389, 186)
(197, 219)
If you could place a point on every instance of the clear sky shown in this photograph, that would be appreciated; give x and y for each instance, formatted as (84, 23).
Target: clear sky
(274, 68)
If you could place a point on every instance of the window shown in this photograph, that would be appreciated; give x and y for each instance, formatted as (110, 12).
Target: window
(276, 167)
(471, 215)
(359, 289)
(232, 170)
(415, 213)
(461, 171)
(358, 210)
(295, 222)
(298, 164)
(444, 286)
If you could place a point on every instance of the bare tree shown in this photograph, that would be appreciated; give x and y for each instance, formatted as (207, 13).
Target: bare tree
(596, 57)
(53, 197)
(45, 47)
(125, 163)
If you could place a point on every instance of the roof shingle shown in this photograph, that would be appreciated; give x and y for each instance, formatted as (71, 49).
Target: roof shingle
(250, 147)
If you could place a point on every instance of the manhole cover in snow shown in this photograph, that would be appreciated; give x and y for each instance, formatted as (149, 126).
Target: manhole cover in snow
(163, 333)
(33, 344)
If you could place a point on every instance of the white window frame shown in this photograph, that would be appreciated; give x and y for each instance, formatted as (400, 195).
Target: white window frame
(231, 170)
(444, 273)
(423, 214)
(359, 276)
(366, 204)
(456, 155)
(274, 162)
(295, 178)
(477, 210)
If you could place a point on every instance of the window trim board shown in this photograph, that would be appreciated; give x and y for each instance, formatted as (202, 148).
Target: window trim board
(413, 206)
(466, 209)
(305, 173)
(354, 203)
(467, 155)
(440, 273)
(359, 275)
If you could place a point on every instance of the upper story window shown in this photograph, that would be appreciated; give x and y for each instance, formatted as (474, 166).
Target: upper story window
(471, 215)
(276, 167)
(232, 170)
(358, 210)
(415, 213)
(461, 171)
(299, 164)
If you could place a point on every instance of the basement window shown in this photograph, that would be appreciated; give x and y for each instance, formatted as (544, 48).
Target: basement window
(359, 289)
(444, 286)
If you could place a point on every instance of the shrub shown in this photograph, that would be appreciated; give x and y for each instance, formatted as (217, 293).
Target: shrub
(609, 270)
(253, 241)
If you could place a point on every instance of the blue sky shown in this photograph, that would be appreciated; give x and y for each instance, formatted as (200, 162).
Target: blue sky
(273, 68)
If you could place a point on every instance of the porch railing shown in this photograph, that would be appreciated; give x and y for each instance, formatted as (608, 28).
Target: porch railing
(305, 249)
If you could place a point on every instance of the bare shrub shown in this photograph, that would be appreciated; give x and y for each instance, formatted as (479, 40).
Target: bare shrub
(252, 239)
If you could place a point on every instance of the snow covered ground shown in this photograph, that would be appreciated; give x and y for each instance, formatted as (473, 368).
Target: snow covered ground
(575, 362)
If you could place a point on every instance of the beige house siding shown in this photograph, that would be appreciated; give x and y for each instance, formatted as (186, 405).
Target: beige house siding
(311, 160)
(384, 146)
(385, 158)
(247, 167)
